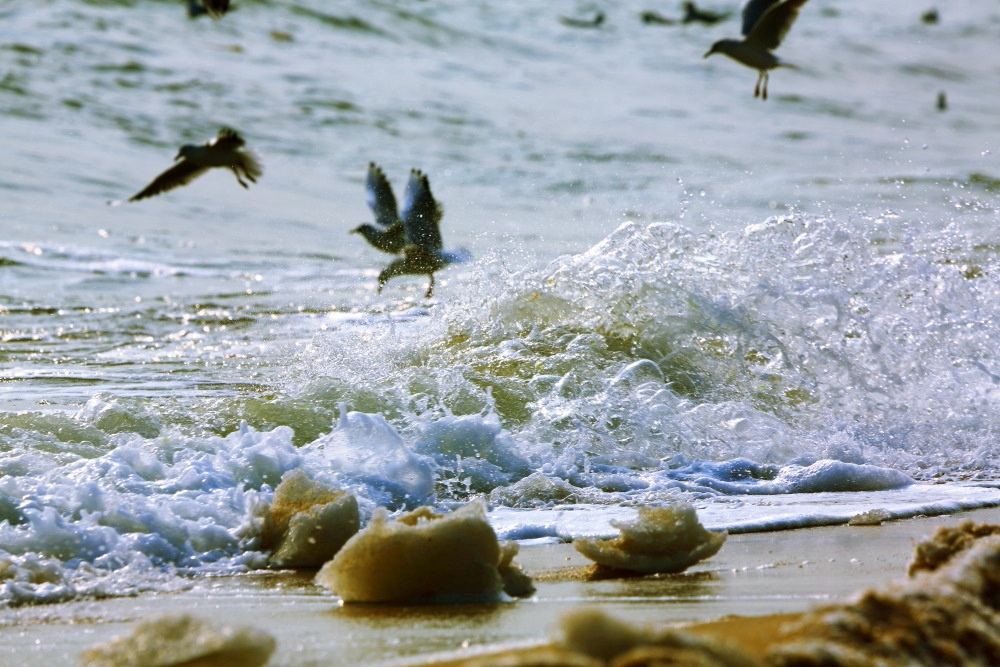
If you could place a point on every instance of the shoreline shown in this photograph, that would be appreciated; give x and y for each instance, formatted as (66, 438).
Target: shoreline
(753, 577)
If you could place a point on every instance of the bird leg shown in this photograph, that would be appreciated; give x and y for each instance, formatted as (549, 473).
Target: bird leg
(246, 174)
(756, 89)
(240, 180)
(763, 89)
(430, 287)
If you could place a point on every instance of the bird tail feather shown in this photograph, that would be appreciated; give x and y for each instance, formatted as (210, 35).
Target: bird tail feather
(252, 162)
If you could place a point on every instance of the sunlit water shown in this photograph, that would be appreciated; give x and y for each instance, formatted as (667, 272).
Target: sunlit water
(784, 311)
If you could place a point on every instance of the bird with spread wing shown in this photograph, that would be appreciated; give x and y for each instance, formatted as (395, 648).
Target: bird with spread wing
(765, 24)
(224, 150)
(414, 231)
(387, 233)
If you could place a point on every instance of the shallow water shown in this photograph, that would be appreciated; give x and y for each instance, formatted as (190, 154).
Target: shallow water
(677, 291)
(753, 575)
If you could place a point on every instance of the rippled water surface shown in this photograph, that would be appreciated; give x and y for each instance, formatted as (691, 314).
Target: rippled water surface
(676, 290)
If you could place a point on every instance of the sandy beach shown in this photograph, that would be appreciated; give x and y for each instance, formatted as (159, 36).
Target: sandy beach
(671, 293)
(753, 576)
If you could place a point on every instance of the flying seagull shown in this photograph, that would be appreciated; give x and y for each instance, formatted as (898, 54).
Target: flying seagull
(223, 150)
(595, 22)
(650, 17)
(387, 233)
(765, 24)
(693, 14)
(419, 220)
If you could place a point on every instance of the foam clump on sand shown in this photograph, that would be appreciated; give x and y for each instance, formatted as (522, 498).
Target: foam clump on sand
(946, 542)
(308, 522)
(873, 517)
(422, 556)
(182, 640)
(945, 616)
(664, 539)
(593, 633)
(591, 638)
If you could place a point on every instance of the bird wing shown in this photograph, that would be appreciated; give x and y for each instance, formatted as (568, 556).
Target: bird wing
(421, 213)
(181, 173)
(228, 138)
(752, 11)
(216, 8)
(773, 23)
(380, 198)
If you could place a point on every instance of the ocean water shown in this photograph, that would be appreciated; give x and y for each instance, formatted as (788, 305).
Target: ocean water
(784, 312)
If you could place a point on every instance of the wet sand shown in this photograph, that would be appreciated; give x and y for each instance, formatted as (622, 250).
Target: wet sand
(736, 593)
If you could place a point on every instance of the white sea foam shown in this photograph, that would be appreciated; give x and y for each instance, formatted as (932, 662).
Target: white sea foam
(110, 523)
(743, 514)
(659, 366)
(146, 508)
(367, 447)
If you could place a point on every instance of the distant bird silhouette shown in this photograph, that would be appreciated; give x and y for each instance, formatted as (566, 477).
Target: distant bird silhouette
(388, 235)
(595, 22)
(223, 150)
(420, 220)
(694, 15)
(214, 8)
(650, 17)
(765, 24)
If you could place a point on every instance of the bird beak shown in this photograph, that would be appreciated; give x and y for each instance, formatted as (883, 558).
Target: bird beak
(709, 52)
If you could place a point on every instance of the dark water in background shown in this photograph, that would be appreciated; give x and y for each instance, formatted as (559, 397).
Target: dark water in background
(813, 278)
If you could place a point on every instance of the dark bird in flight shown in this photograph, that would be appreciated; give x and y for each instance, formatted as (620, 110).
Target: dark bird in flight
(223, 150)
(387, 233)
(692, 14)
(214, 8)
(595, 22)
(650, 17)
(765, 24)
(418, 222)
